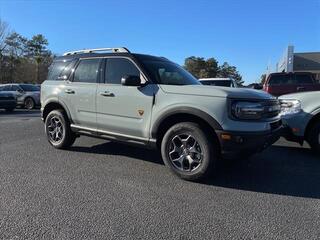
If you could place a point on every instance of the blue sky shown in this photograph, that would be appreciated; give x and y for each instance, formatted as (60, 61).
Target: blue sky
(247, 34)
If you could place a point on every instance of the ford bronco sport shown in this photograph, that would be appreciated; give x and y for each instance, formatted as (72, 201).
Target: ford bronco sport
(140, 99)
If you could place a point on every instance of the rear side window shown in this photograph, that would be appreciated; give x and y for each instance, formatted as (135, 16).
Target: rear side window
(87, 71)
(59, 69)
(116, 68)
(280, 80)
(304, 79)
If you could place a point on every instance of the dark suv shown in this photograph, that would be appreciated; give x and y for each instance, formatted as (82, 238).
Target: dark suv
(283, 83)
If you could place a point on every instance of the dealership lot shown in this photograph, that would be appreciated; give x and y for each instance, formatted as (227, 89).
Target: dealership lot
(98, 189)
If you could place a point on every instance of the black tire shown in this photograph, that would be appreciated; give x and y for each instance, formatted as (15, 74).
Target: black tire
(29, 103)
(207, 147)
(314, 137)
(9, 109)
(67, 137)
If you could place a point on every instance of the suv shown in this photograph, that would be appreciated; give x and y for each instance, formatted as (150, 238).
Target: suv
(151, 101)
(283, 83)
(220, 82)
(28, 95)
(301, 113)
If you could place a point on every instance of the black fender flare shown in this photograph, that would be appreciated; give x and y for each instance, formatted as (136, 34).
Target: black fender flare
(184, 110)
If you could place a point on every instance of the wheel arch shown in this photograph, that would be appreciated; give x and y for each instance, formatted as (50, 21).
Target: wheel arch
(53, 105)
(312, 121)
(183, 114)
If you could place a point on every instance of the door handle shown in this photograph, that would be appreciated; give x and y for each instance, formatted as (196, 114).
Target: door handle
(69, 91)
(107, 94)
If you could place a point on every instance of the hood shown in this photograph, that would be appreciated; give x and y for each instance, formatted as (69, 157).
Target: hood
(213, 91)
(302, 95)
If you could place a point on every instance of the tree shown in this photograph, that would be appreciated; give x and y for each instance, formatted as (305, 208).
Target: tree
(263, 78)
(37, 50)
(225, 70)
(4, 31)
(200, 67)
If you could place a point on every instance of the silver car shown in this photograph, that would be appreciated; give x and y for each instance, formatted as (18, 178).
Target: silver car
(28, 95)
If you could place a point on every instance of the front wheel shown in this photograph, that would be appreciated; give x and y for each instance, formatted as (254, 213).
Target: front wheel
(58, 130)
(189, 152)
(314, 137)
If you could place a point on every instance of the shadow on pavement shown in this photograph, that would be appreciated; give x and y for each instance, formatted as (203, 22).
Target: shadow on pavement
(280, 170)
(283, 170)
(113, 148)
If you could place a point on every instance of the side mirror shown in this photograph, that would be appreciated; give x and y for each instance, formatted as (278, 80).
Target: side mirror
(130, 80)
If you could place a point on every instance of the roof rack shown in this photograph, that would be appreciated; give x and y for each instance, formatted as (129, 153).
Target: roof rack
(115, 50)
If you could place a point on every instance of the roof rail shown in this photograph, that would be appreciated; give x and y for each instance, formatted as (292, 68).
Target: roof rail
(115, 50)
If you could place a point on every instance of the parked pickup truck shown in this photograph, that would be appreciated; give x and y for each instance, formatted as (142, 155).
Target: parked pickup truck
(278, 84)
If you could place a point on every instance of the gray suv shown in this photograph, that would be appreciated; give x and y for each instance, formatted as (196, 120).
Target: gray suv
(28, 95)
(150, 101)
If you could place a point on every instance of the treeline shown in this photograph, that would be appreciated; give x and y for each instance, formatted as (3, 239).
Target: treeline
(23, 60)
(210, 68)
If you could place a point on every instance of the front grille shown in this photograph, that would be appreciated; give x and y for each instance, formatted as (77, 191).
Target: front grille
(275, 125)
(271, 109)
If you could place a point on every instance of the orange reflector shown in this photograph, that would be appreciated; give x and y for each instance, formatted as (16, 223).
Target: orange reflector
(225, 136)
(295, 129)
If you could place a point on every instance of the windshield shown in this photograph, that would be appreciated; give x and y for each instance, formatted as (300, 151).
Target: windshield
(220, 83)
(29, 88)
(168, 73)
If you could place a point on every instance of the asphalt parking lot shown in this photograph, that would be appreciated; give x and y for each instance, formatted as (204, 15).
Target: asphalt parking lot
(103, 190)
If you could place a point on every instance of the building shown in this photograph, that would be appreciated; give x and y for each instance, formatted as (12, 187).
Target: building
(299, 62)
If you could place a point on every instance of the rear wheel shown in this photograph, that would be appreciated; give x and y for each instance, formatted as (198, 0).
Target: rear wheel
(29, 103)
(189, 152)
(314, 137)
(58, 130)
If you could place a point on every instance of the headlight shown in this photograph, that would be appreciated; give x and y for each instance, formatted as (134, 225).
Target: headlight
(289, 107)
(247, 110)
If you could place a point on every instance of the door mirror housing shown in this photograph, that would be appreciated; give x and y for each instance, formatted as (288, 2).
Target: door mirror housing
(130, 80)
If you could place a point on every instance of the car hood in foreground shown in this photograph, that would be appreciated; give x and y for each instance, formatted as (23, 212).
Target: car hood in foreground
(315, 95)
(212, 91)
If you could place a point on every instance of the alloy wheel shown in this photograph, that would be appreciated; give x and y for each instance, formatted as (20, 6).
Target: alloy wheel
(55, 129)
(185, 152)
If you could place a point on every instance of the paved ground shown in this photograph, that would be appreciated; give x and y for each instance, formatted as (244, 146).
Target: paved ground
(103, 190)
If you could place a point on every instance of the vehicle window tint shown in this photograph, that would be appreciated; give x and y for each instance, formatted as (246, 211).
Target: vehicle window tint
(116, 68)
(57, 68)
(87, 71)
(303, 79)
(15, 88)
(6, 88)
(65, 74)
(30, 88)
(280, 80)
(220, 83)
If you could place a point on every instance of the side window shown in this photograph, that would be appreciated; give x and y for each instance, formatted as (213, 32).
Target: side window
(7, 88)
(87, 71)
(60, 68)
(15, 88)
(116, 68)
(279, 80)
(303, 79)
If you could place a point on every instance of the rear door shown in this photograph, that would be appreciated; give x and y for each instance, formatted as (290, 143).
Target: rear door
(124, 110)
(80, 92)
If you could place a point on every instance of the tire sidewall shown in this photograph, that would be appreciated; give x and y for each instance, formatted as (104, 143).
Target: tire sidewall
(207, 149)
(30, 99)
(314, 137)
(62, 118)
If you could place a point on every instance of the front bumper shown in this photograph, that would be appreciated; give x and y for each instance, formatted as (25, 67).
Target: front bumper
(8, 104)
(235, 144)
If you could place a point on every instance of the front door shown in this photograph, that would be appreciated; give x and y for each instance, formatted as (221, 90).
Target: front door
(123, 110)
